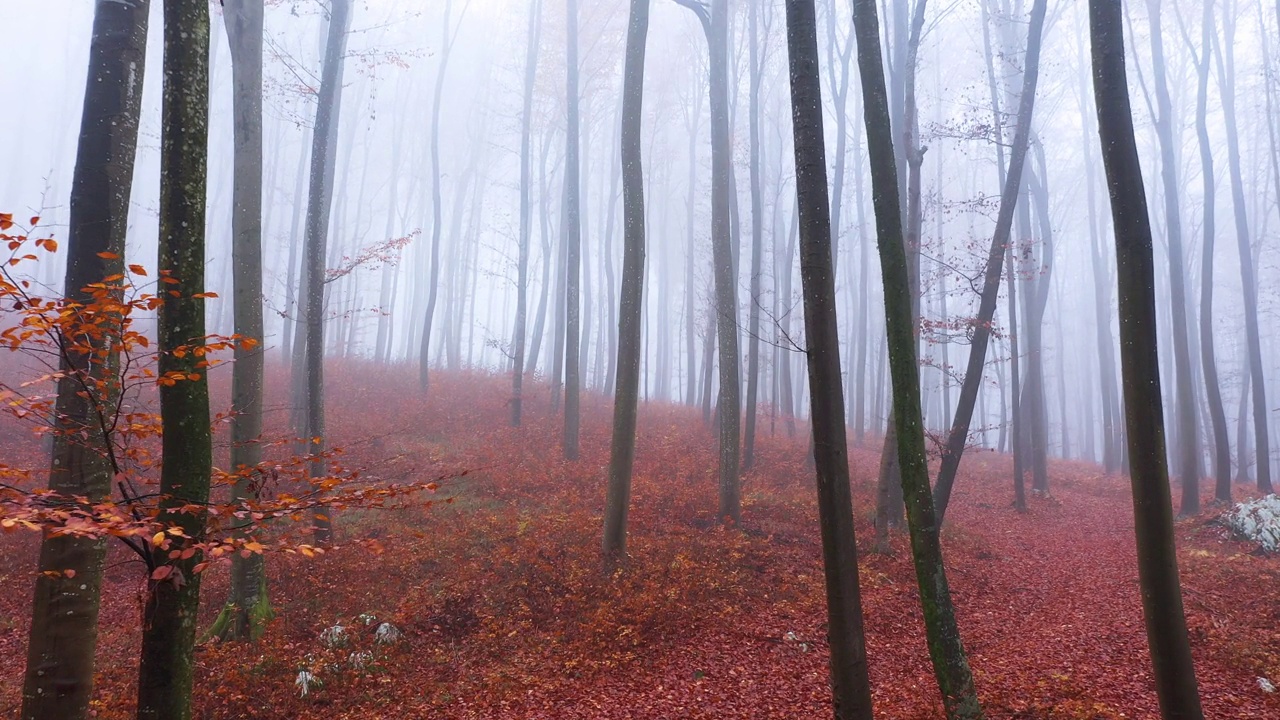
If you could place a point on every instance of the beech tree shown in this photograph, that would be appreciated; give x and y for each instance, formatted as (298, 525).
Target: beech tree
(850, 681)
(1139, 362)
(248, 607)
(64, 622)
(715, 25)
(319, 205)
(631, 302)
(167, 669)
(950, 664)
(572, 240)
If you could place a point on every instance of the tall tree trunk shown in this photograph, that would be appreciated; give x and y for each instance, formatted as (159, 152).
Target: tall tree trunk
(1111, 453)
(757, 242)
(951, 666)
(1208, 361)
(1227, 86)
(1152, 508)
(572, 240)
(1000, 245)
(631, 302)
(247, 605)
(544, 226)
(319, 203)
(166, 672)
(526, 189)
(1188, 441)
(715, 25)
(433, 283)
(850, 681)
(64, 621)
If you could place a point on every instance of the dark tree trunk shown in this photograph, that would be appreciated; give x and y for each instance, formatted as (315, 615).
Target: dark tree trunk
(850, 681)
(64, 621)
(166, 672)
(1152, 509)
(951, 666)
(631, 303)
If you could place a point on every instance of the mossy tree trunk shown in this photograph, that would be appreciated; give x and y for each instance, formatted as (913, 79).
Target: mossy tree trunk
(169, 613)
(951, 667)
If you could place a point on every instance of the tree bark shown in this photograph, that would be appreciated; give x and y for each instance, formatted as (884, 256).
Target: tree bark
(951, 666)
(572, 239)
(715, 25)
(247, 606)
(64, 622)
(319, 203)
(631, 302)
(1152, 508)
(166, 672)
(850, 681)
(757, 241)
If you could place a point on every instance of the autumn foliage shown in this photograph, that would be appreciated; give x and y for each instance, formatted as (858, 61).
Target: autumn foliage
(497, 586)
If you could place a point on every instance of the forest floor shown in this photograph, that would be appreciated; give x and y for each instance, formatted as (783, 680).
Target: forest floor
(506, 614)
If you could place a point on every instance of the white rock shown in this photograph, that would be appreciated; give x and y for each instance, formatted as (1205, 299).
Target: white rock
(1266, 685)
(387, 634)
(334, 637)
(1258, 521)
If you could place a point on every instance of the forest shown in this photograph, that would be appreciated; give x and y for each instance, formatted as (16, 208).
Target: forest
(639, 359)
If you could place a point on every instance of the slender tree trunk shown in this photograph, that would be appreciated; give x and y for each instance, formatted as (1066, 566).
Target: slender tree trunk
(1152, 509)
(573, 241)
(64, 621)
(526, 189)
(247, 609)
(1188, 440)
(166, 672)
(544, 224)
(1000, 245)
(715, 25)
(631, 303)
(850, 681)
(1226, 83)
(319, 204)
(1208, 361)
(757, 243)
(433, 284)
(951, 667)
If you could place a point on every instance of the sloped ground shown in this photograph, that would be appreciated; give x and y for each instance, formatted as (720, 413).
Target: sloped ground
(507, 615)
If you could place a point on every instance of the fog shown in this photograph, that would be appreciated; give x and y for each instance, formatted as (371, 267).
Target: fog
(424, 225)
